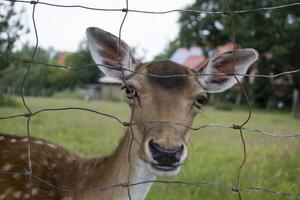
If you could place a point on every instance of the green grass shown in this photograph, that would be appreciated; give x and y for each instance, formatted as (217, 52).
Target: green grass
(214, 154)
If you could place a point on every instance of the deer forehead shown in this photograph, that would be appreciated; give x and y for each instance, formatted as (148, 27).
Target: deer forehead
(166, 77)
(173, 76)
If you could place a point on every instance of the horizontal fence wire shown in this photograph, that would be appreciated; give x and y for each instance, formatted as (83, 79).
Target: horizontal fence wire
(159, 12)
(241, 127)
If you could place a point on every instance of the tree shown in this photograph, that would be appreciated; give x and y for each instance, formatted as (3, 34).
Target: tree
(275, 32)
(37, 82)
(81, 57)
(10, 30)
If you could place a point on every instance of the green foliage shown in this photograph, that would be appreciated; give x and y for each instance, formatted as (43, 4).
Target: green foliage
(90, 74)
(7, 101)
(10, 30)
(40, 80)
(45, 80)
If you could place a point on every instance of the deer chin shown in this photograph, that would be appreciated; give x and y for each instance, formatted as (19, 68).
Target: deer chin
(165, 171)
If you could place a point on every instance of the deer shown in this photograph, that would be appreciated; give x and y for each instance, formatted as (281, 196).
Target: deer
(156, 91)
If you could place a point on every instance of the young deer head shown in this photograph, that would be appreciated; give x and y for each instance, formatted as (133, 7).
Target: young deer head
(162, 109)
(163, 105)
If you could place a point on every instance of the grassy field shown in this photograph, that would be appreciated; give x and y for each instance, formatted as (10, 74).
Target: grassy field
(215, 153)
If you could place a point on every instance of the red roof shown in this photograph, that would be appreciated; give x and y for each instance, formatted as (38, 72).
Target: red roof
(62, 58)
(194, 62)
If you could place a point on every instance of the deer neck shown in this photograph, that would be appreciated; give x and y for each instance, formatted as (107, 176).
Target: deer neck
(116, 168)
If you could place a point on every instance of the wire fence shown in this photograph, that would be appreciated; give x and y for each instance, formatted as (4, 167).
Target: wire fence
(236, 188)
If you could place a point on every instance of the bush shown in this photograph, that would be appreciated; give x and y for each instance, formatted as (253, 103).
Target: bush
(8, 101)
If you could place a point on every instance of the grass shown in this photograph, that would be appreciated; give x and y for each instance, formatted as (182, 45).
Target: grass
(214, 154)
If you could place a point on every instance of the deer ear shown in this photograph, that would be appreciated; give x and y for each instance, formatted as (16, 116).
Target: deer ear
(237, 62)
(106, 51)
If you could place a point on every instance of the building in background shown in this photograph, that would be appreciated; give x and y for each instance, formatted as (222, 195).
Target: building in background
(195, 57)
(107, 89)
(111, 88)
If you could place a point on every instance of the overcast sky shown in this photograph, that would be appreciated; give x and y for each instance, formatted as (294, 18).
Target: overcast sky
(64, 28)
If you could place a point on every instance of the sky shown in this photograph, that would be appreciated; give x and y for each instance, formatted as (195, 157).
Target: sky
(64, 28)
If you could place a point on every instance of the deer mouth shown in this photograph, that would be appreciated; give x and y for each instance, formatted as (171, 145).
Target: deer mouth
(163, 170)
(165, 167)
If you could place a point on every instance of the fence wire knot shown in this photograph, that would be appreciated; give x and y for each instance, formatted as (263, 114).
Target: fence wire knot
(28, 114)
(234, 126)
(124, 185)
(28, 173)
(235, 189)
(33, 2)
(126, 124)
(124, 9)
(26, 61)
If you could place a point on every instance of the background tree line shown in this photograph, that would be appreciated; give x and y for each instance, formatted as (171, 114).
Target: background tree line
(42, 80)
(275, 34)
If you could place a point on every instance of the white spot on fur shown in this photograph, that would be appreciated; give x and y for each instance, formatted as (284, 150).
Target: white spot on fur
(26, 196)
(7, 167)
(34, 191)
(1, 138)
(24, 140)
(17, 194)
(13, 140)
(23, 156)
(38, 142)
(16, 175)
(51, 145)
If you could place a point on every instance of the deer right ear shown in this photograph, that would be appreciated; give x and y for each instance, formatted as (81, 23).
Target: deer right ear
(237, 62)
(110, 55)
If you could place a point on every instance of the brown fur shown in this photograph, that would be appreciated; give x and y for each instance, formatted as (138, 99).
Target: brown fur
(62, 169)
(167, 68)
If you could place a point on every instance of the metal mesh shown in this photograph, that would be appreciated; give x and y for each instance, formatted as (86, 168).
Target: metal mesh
(241, 128)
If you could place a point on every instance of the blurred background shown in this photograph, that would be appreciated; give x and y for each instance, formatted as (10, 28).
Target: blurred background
(187, 38)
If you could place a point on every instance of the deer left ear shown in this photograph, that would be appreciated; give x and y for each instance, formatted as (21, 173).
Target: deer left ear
(237, 62)
(110, 53)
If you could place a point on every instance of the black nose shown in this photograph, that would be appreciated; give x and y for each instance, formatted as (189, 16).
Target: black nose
(166, 157)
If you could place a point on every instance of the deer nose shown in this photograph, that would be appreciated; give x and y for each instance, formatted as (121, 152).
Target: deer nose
(166, 157)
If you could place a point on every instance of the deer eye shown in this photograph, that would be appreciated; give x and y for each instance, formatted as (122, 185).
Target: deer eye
(200, 101)
(130, 91)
